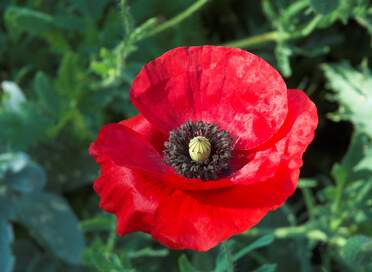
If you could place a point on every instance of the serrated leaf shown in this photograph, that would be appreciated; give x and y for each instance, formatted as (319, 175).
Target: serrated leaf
(6, 238)
(53, 224)
(324, 7)
(353, 92)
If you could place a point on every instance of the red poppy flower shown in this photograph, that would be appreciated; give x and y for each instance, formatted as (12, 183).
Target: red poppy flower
(217, 145)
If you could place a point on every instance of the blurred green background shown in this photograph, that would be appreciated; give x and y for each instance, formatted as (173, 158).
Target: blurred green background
(65, 70)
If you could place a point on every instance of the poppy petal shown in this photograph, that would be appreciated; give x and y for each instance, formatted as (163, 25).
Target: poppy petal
(296, 134)
(129, 194)
(181, 222)
(127, 148)
(140, 125)
(229, 87)
(200, 220)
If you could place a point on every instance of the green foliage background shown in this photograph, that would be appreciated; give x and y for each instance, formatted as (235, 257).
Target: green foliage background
(65, 70)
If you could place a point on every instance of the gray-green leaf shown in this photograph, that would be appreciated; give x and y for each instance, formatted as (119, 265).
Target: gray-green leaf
(353, 92)
(30, 178)
(6, 238)
(52, 222)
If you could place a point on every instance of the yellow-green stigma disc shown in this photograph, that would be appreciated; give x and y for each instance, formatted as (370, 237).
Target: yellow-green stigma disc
(199, 149)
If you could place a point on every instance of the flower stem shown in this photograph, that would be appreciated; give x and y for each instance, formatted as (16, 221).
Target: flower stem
(110, 243)
(275, 36)
(228, 257)
(178, 18)
(306, 231)
(256, 40)
(309, 202)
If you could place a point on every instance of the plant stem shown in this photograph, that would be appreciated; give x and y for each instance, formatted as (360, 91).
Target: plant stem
(275, 36)
(110, 244)
(309, 202)
(308, 232)
(178, 18)
(257, 39)
(228, 256)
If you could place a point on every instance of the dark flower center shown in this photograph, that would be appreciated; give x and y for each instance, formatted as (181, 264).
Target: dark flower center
(199, 150)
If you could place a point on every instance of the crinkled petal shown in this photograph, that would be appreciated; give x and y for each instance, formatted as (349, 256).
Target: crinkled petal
(182, 222)
(137, 150)
(229, 87)
(296, 134)
(129, 194)
(200, 220)
(140, 125)
(127, 148)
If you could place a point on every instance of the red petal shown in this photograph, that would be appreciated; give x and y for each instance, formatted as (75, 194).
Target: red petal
(271, 189)
(230, 87)
(131, 195)
(127, 148)
(182, 222)
(200, 220)
(140, 125)
(296, 133)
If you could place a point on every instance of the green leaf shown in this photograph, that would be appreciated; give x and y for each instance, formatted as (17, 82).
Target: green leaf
(266, 268)
(358, 251)
(70, 76)
(282, 54)
(6, 238)
(324, 6)
(184, 264)
(307, 183)
(90, 8)
(102, 222)
(46, 95)
(12, 162)
(31, 178)
(6, 207)
(20, 173)
(14, 98)
(31, 259)
(28, 20)
(148, 252)
(353, 92)
(261, 242)
(24, 128)
(357, 151)
(53, 224)
(97, 256)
